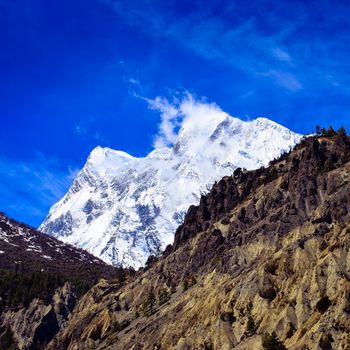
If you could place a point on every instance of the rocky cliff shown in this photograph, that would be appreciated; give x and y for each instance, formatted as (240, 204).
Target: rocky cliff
(33, 326)
(266, 252)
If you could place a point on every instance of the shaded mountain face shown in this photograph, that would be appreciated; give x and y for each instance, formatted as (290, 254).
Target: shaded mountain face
(41, 279)
(123, 209)
(25, 249)
(265, 251)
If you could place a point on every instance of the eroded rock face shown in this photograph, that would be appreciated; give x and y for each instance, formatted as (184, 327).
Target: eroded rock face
(265, 251)
(36, 325)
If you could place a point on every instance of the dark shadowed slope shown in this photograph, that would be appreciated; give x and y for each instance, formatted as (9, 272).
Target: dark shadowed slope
(41, 279)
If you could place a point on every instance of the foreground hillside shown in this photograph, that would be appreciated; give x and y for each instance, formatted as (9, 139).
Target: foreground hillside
(265, 251)
(41, 279)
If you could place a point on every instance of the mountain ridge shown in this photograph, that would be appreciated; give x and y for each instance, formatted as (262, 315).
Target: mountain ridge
(123, 209)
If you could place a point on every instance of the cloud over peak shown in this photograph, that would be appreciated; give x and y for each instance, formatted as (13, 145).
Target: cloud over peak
(170, 121)
(184, 113)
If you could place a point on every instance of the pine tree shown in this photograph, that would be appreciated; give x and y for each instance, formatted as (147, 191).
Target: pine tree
(329, 165)
(342, 132)
(250, 325)
(163, 296)
(330, 132)
(6, 340)
(188, 282)
(148, 305)
(271, 342)
(318, 130)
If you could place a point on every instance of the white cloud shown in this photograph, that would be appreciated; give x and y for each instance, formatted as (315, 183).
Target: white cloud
(284, 79)
(86, 130)
(185, 113)
(79, 130)
(170, 120)
(281, 55)
(199, 113)
(240, 44)
(134, 81)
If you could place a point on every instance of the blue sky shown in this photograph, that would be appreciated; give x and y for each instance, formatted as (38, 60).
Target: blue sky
(75, 74)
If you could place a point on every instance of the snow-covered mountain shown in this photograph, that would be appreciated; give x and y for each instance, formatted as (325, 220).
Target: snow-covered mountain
(122, 208)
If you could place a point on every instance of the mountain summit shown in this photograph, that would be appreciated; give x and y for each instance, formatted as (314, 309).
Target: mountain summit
(122, 208)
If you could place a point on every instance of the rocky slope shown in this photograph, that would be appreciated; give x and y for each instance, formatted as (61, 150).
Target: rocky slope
(265, 251)
(41, 279)
(122, 209)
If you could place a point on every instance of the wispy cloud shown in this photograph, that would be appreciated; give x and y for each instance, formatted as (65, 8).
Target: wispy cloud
(29, 188)
(284, 79)
(170, 120)
(185, 112)
(80, 130)
(134, 81)
(240, 43)
(281, 55)
(289, 44)
(86, 129)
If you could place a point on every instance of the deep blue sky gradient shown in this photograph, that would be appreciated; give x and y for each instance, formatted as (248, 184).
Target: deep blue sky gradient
(71, 71)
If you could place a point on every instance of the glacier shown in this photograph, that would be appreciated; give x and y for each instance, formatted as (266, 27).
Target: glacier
(123, 208)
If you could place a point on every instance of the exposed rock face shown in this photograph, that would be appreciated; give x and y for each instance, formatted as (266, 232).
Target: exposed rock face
(63, 303)
(36, 325)
(265, 251)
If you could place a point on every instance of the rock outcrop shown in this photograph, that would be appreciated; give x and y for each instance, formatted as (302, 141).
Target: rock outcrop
(36, 325)
(265, 251)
